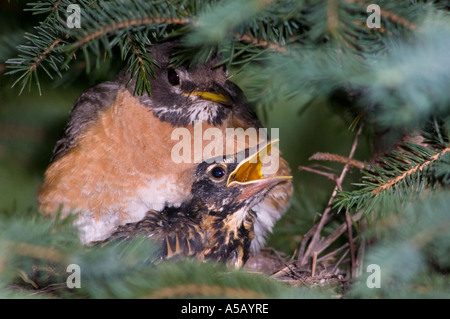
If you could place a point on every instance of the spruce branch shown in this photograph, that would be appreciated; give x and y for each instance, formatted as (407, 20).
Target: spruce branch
(38, 61)
(128, 24)
(104, 25)
(419, 167)
(411, 247)
(271, 46)
(36, 252)
(388, 14)
(248, 30)
(139, 66)
(403, 174)
(46, 7)
(43, 47)
(399, 20)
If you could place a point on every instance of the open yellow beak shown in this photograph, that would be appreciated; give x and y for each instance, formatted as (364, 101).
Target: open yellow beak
(249, 170)
(215, 97)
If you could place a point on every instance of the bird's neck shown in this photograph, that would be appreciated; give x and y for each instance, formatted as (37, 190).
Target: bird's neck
(230, 235)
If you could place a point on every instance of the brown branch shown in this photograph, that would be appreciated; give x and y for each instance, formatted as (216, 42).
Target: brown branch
(335, 268)
(324, 243)
(361, 250)
(332, 16)
(334, 252)
(315, 238)
(288, 268)
(390, 16)
(419, 167)
(314, 262)
(35, 251)
(337, 158)
(138, 55)
(252, 40)
(331, 176)
(56, 5)
(350, 241)
(45, 53)
(128, 24)
(308, 235)
(398, 19)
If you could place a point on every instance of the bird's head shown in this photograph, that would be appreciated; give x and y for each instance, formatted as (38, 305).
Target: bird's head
(229, 187)
(183, 94)
(232, 181)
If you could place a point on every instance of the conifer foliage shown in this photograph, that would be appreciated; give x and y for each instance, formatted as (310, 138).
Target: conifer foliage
(384, 69)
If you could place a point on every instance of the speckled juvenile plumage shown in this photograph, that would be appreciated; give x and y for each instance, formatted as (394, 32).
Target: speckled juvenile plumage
(215, 223)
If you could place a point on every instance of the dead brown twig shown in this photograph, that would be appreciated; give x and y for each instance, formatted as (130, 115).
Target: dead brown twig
(322, 244)
(319, 156)
(350, 241)
(261, 43)
(317, 245)
(331, 176)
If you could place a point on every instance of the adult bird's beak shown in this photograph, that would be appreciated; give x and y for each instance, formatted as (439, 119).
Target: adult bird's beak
(216, 94)
(248, 173)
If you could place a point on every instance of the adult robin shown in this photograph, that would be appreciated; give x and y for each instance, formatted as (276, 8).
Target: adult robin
(115, 160)
(217, 221)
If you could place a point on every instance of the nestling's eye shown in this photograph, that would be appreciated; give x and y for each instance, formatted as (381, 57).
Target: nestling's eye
(218, 172)
(173, 77)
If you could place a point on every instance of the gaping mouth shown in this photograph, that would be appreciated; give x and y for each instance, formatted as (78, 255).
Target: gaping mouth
(249, 171)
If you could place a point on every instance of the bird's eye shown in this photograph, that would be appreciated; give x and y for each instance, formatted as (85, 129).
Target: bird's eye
(173, 77)
(218, 172)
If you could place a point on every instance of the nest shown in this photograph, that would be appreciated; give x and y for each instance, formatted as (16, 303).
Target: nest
(284, 268)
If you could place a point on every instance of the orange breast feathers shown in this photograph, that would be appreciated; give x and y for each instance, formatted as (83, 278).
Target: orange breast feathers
(113, 163)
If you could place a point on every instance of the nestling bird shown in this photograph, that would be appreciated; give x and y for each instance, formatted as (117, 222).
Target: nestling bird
(217, 221)
(114, 161)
